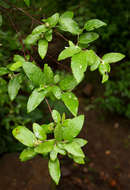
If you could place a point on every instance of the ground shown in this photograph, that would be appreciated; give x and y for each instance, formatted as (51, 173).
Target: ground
(107, 165)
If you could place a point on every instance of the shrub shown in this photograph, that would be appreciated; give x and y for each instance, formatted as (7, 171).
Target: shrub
(24, 75)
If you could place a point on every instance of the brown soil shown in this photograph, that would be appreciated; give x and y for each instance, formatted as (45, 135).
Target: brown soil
(107, 165)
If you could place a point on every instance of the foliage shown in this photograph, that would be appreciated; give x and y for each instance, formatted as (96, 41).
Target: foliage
(25, 75)
(117, 92)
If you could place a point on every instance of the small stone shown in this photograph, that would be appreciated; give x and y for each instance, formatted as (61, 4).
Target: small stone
(107, 152)
(88, 89)
(116, 125)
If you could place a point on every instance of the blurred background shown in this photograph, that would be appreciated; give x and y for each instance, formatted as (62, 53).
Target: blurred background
(106, 106)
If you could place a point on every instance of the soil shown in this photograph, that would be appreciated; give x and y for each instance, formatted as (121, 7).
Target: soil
(107, 164)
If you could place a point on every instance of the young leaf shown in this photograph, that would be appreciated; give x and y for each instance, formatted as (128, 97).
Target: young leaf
(112, 57)
(56, 116)
(48, 74)
(58, 132)
(56, 92)
(35, 99)
(54, 170)
(74, 149)
(3, 71)
(69, 25)
(31, 39)
(69, 52)
(79, 65)
(48, 35)
(39, 132)
(72, 127)
(24, 135)
(68, 83)
(93, 24)
(34, 73)
(45, 147)
(27, 154)
(40, 29)
(53, 20)
(71, 102)
(14, 86)
(42, 48)
(88, 37)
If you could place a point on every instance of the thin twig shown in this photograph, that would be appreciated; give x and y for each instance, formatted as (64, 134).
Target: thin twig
(48, 105)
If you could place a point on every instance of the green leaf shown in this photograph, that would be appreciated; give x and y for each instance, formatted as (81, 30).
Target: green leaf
(113, 57)
(80, 141)
(34, 73)
(69, 25)
(14, 86)
(54, 170)
(56, 78)
(79, 65)
(48, 35)
(105, 77)
(56, 92)
(48, 128)
(18, 58)
(78, 160)
(74, 149)
(72, 127)
(42, 48)
(104, 68)
(56, 116)
(71, 102)
(35, 99)
(67, 14)
(31, 39)
(45, 147)
(3, 71)
(92, 60)
(63, 117)
(53, 20)
(40, 29)
(69, 52)
(58, 134)
(60, 148)
(24, 135)
(39, 132)
(0, 20)
(68, 83)
(15, 66)
(27, 2)
(53, 153)
(48, 74)
(27, 154)
(88, 37)
(94, 24)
